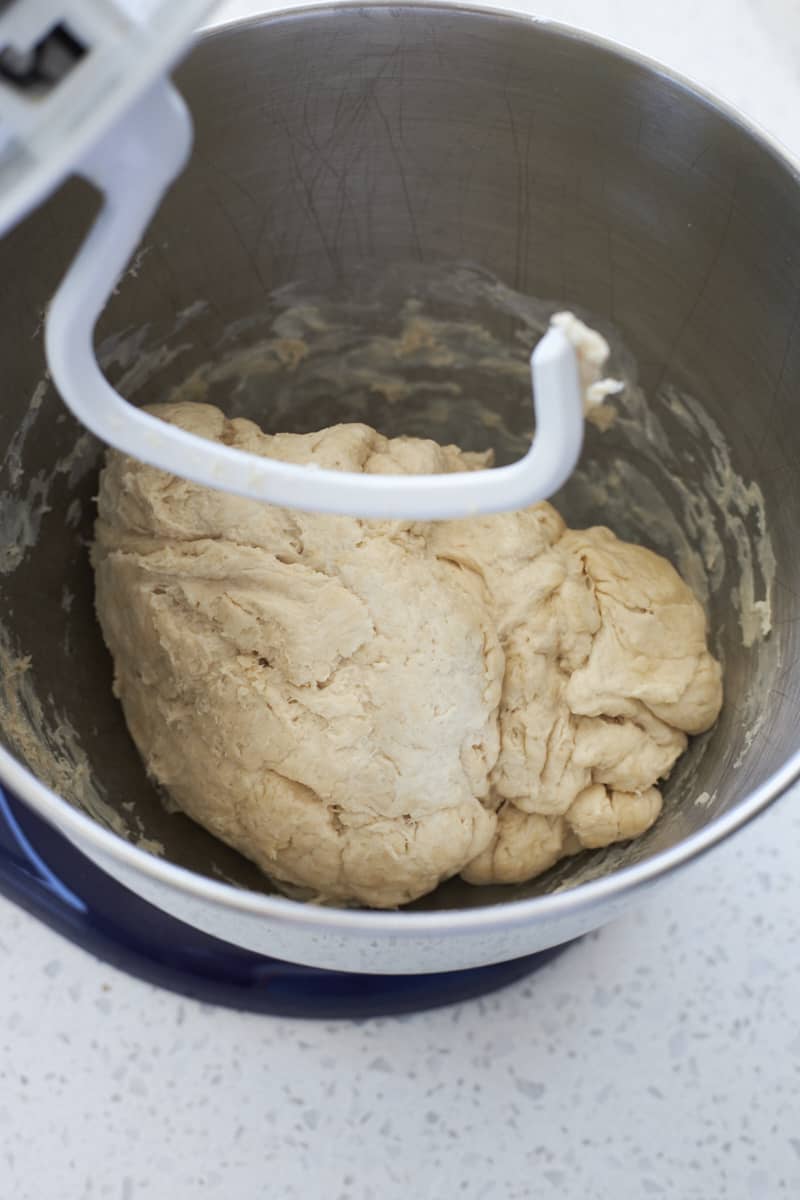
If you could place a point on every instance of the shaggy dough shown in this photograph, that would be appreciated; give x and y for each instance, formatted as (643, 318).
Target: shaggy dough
(367, 708)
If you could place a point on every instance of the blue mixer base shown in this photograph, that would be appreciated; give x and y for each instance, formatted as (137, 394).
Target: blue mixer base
(44, 874)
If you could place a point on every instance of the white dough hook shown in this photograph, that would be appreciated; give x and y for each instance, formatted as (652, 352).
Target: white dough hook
(132, 161)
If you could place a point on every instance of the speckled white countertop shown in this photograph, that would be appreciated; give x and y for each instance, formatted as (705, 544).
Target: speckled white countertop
(658, 1058)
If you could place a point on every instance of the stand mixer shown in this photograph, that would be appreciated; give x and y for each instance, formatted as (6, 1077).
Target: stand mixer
(659, 208)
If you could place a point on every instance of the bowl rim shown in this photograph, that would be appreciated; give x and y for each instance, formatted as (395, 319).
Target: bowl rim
(512, 913)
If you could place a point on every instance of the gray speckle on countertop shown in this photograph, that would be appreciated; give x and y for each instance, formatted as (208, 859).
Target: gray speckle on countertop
(659, 1058)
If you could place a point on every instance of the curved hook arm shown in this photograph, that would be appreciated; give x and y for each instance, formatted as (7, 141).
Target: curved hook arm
(133, 166)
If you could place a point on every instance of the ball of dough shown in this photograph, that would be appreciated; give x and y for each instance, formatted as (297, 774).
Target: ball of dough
(367, 708)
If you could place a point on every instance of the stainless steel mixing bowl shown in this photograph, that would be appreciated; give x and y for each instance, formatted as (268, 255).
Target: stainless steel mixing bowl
(350, 160)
